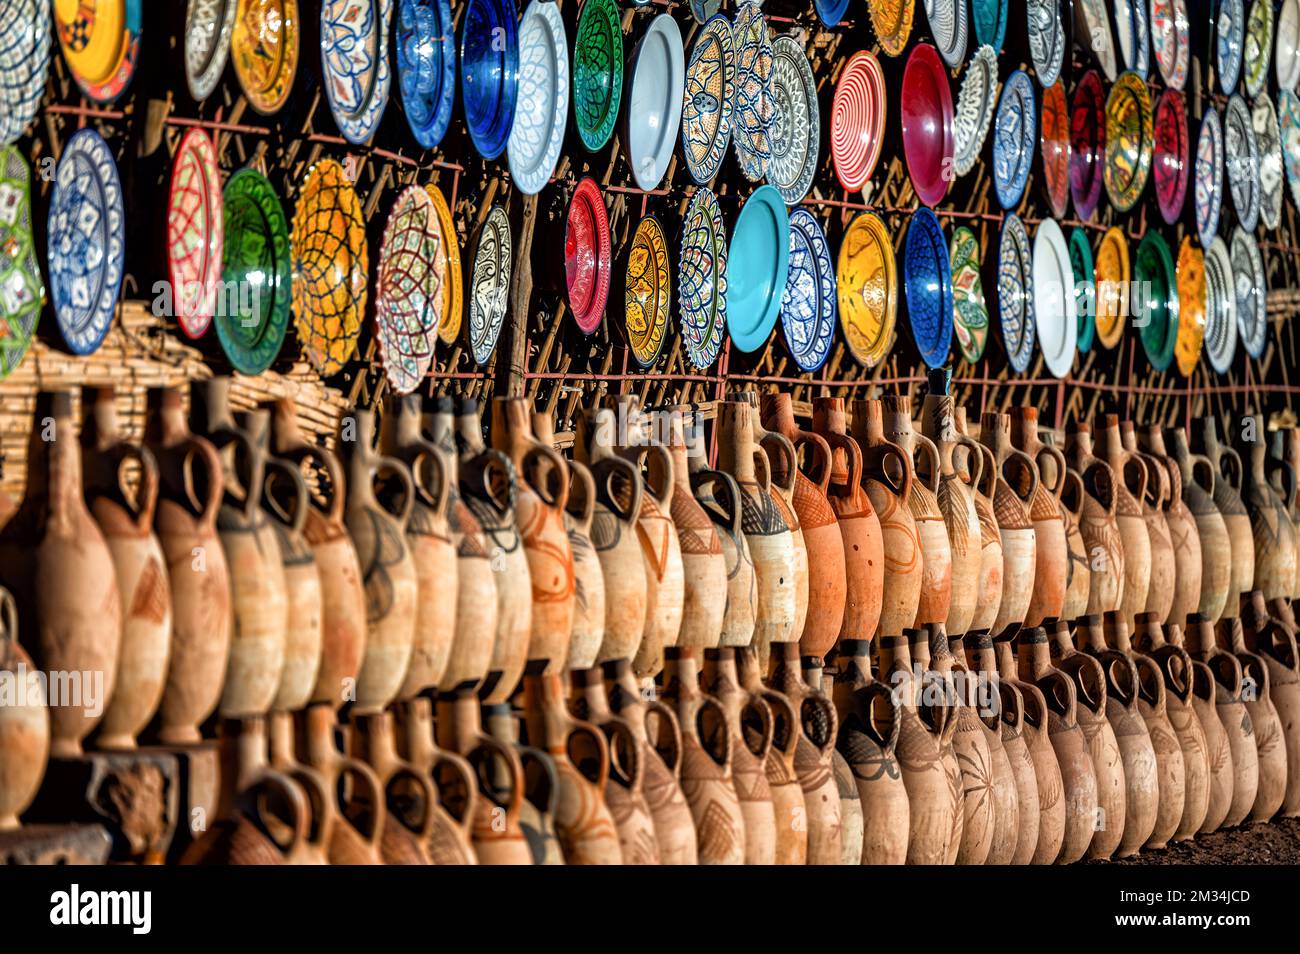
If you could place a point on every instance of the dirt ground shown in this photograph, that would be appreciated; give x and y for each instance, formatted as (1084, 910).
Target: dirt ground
(1277, 843)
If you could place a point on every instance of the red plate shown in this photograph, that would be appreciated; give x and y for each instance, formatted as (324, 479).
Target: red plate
(587, 255)
(857, 120)
(925, 118)
(1169, 160)
(1054, 147)
(1087, 143)
(195, 230)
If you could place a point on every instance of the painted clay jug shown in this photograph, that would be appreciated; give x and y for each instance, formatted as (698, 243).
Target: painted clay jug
(24, 723)
(704, 567)
(540, 786)
(323, 799)
(1228, 477)
(1098, 522)
(1218, 753)
(979, 472)
(1270, 519)
(1284, 477)
(1269, 741)
(1013, 495)
(1079, 587)
(936, 684)
(1198, 477)
(409, 797)
(982, 697)
(1186, 540)
(449, 840)
(1272, 642)
(719, 495)
(852, 821)
(126, 520)
(1131, 480)
(1155, 501)
(1051, 549)
(974, 759)
(353, 794)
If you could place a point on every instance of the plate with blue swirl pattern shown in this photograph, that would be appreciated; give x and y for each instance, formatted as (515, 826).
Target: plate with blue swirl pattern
(1016, 293)
(538, 130)
(1015, 138)
(426, 67)
(752, 117)
(354, 63)
(809, 304)
(702, 279)
(707, 100)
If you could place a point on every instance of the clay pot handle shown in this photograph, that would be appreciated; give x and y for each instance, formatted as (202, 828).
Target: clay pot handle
(864, 708)
(484, 751)
(1202, 465)
(1121, 677)
(255, 805)
(1013, 706)
(147, 497)
(582, 496)
(317, 797)
(1073, 480)
(852, 451)
(879, 455)
(1234, 479)
(1176, 682)
(604, 472)
(669, 748)
(334, 489)
(1026, 463)
(1058, 692)
(1252, 665)
(380, 465)
(926, 447)
(824, 717)
(974, 457)
(662, 473)
(624, 752)
(585, 730)
(365, 777)
(8, 617)
(766, 724)
(428, 797)
(785, 447)
(1227, 671)
(781, 708)
(1283, 480)
(542, 460)
(762, 469)
(198, 449)
(820, 452)
(277, 469)
(724, 486)
(1083, 669)
(448, 763)
(1058, 458)
(433, 490)
(722, 739)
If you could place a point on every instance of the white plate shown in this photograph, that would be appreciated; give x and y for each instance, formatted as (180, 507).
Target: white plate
(976, 103)
(1220, 306)
(1286, 55)
(654, 101)
(537, 133)
(949, 27)
(1054, 307)
(1251, 288)
(1092, 21)
(208, 25)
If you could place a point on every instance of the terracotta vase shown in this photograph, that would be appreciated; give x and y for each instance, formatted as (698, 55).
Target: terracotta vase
(1198, 478)
(355, 794)
(979, 471)
(983, 697)
(1273, 643)
(1228, 478)
(852, 820)
(24, 723)
(540, 786)
(1013, 496)
(455, 786)
(1218, 751)
(409, 797)
(971, 747)
(1284, 478)
(719, 495)
(1077, 591)
(1131, 480)
(126, 521)
(1183, 534)
(1270, 520)
(704, 568)
(1051, 549)
(1098, 522)
(1270, 743)
(1162, 589)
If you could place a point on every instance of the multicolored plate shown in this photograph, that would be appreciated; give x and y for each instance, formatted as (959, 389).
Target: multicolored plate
(796, 124)
(24, 62)
(21, 292)
(489, 73)
(489, 284)
(866, 279)
(264, 50)
(976, 103)
(1229, 42)
(647, 291)
(1258, 46)
(587, 255)
(1169, 160)
(1220, 307)
(195, 232)
(1288, 115)
(1133, 30)
(1046, 39)
(1268, 139)
(1087, 143)
(1155, 299)
(1286, 52)
(1093, 22)
(453, 290)
(1015, 137)
(598, 72)
(948, 27)
(1112, 287)
(1208, 186)
(255, 250)
(538, 131)
(354, 41)
(970, 312)
(1054, 147)
(1055, 317)
(758, 264)
(1251, 286)
(408, 289)
(1171, 40)
(708, 98)
(1085, 288)
(1128, 141)
(857, 120)
(754, 103)
(1242, 162)
(426, 67)
(1191, 307)
(925, 117)
(892, 22)
(702, 279)
(208, 26)
(1016, 293)
(927, 287)
(654, 102)
(990, 19)
(808, 304)
(101, 43)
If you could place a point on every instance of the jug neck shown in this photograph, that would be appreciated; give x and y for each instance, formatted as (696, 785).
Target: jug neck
(469, 428)
(63, 478)
(373, 740)
(736, 446)
(982, 653)
(1150, 634)
(589, 686)
(1035, 657)
(1199, 638)
(897, 417)
(1006, 658)
(1024, 428)
(459, 720)
(242, 754)
(681, 672)
(416, 744)
(720, 669)
(1115, 632)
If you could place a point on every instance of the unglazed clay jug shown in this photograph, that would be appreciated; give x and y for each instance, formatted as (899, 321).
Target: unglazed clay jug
(1284, 477)
(1183, 535)
(1270, 519)
(979, 472)
(971, 746)
(1013, 495)
(1218, 753)
(1272, 642)
(1269, 741)
(704, 568)
(126, 520)
(1051, 549)
(983, 698)
(409, 798)
(936, 687)
(1098, 522)
(1228, 477)
(540, 786)
(1234, 719)
(1162, 589)
(451, 828)
(1198, 477)
(719, 495)
(1079, 585)
(1131, 481)
(24, 723)
(852, 822)
(352, 788)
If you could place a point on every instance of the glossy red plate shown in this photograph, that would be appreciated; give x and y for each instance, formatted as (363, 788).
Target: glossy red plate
(587, 255)
(925, 113)
(1054, 147)
(1087, 143)
(1169, 160)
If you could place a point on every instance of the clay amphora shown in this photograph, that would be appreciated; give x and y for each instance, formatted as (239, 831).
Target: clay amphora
(1198, 478)
(852, 822)
(1079, 587)
(350, 788)
(974, 757)
(1051, 549)
(1155, 501)
(24, 723)
(1131, 485)
(1284, 477)
(1270, 519)
(782, 764)
(1272, 642)
(1183, 535)
(1270, 743)
(704, 567)
(938, 686)
(126, 520)
(1013, 496)
(540, 786)
(983, 697)
(450, 832)
(323, 799)
(1098, 522)
(1218, 752)
(719, 495)
(1228, 477)
(409, 796)
(979, 471)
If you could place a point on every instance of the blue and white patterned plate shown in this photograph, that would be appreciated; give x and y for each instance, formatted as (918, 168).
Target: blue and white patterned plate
(1229, 42)
(1134, 32)
(208, 25)
(708, 99)
(24, 60)
(426, 67)
(796, 123)
(752, 118)
(354, 63)
(1046, 39)
(1015, 136)
(1251, 285)
(86, 241)
(21, 291)
(949, 27)
(702, 279)
(1208, 187)
(809, 304)
(1016, 293)
(1241, 161)
(538, 130)
(927, 286)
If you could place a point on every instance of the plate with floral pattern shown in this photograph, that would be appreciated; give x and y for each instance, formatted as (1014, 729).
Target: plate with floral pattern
(647, 291)
(1046, 39)
(1170, 39)
(1016, 293)
(949, 29)
(1085, 288)
(354, 63)
(24, 62)
(1220, 307)
(1087, 143)
(195, 230)
(866, 277)
(702, 279)
(1015, 139)
(587, 255)
(970, 311)
(208, 26)
(976, 104)
(537, 134)
(892, 22)
(1191, 307)
(1054, 147)
(796, 124)
(1169, 162)
(1128, 141)
(857, 120)
(489, 284)
(754, 104)
(21, 292)
(1111, 277)
(1288, 116)
(597, 72)
(1251, 287)
(425, 39)
(1208, 185)
(101, 44)
(1229, 42)
(1241, 153)
(1268, 139)
(453, 295)
(264, 50)
(1258, 46)
(408, 289)
(708, 99)
(809, 307)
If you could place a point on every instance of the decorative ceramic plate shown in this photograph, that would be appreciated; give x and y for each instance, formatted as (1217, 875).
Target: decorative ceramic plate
(24, 61)
(857, 120)
(354, 45)
(1128, 141)
(990, 21)
(796, 125)
(587, 255)
(654, 102)
(453, 289)
(331, 262)
(925, 116)
(1016, 293)
(702, 279)
(101, 43)
(538, 130)
(1208, 187)
(1046, 39)
(1111, 279)
(1054, 147)
(830, 12)
(256, 256)
(754, 104)
(1155, 299)
(1170, 38)
(85, 241)
(1087, 143)
(598, 72)
(976, 103)
(1242, 162)
(489, 73)
(408, 289)
(1169, 159)
(1229, 42)
(489, 284)
(426, 67)
(708, 99)
(970, 312)
(866, 278)
(1093, 22)
(194, 232)
(892, 21)
(701, 10)
(1286, 54)
(264, 50)
(1085, 288)
(1220, 307)
(948, 27)
(927, 287)
(1288, 115)
(808, 304)
(757, 267)
(647, 291)
(208, 25)
(1055, 316)
(1191, 307)
(1251, 288)
(1134, 32)
(21, 291)
(1258, 46)
(1015, 139)
(1268, 138)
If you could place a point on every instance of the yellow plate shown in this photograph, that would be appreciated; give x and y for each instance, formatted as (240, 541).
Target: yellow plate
(647, 291)
(264, 48)
(1191, 307)
(892, 21)
(1112, 277)
(101, 43)
(867, 276)
(453, 288)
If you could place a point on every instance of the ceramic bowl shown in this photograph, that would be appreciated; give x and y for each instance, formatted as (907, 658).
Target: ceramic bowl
(208, 26)
(1241, 162)
(1251, 287)
(1087, 143)
(657, 76)
(587, 255)
(1046, 39)
(927, 287)
(101, 44)
(453, 288)
(925, 115)
(808, 304)
(708, 98)
(26, 59)
(989, 20)
(976, 104)
(1111, 281)
(1191, 307)
(702, 279)
(757, 268)
(21, 292)
(866, 278)
(1288, 116)
(796, 124)
(1155, 299)
(1171, 40)
(1220, 307)
(892, 22)
(1015, 139)
(647, 291)
(970, 312)
(830, 12)
(1016, 293)
(489, 284)
(264, 51)
(194, 232)
(1054, 147)
(537, 133)
(1128, 141)
(1055, 315)
(408, 289)
(354, 42)
(331, 262)
(1170, 157)
(489, 73)
(597, 72)
(1133, 31)
(1229, 42)
(85, 241)
(1093, 22)
(1085, 288)
(857, 120)
(1286, 53)
(1268, 139)
(949, 29)
(425, 39)
(1258, 46)
(1208, 184)
(754, 105)
(256, 255)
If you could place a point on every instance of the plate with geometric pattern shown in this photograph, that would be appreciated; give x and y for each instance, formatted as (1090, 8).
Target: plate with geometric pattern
(647, 291)
(195, 231)
(538, 130)
(702, 279)
(1016, 293)
(598, 72)
(24, 61)
(1046, 39)
(754, 105)
(489, 284)
(453, 291)
(1258, 46)
(1241, 153)
(256, 257)
(1229, 42)
(1129, 141)
(264, 49)
(354, 45)
(1208, 182)
(408, 289)
(1268, 138)
(208, 26)
(101, 44)
(970, 310)
(1170, 38)
(21, 291)
(796, 125)
(1251, 287)
(708, 98)
(808, 305)
(1220, 306)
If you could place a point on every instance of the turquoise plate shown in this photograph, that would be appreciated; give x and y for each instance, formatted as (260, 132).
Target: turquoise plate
(757, 268)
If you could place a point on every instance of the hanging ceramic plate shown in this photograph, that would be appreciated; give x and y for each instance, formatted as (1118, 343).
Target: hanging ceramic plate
(598, 72)
(647, 291)
(408, 289)
(1268, 138)
(587, 255)
(24, 62)
(866, 279)
(892, 21)
(1251, 288)
(21, 291)
(1191, 307)
(990, 21)
(757, 267)
(796, 124)
(708, 99)
(1091, 21)
(1134, 33)
(1220, 307)
(354, 63)
(1085, 289)
(208, 25)
(1055, 316)
(1171, 41)
(1242, 162)
(830, 12)
(453, 291)
(264, 50)
(976, 103)
(754, 104)
(947, 19)
(1054, 147)
(925, 116)
(1128, 141)
(1286, 56)
(1288, 114)
(489, 284)
(255, 252)
(702, 279)
(1111, 281)
(1155, 300)
(1087, 143)
(101, 44)
(426, 67)
(654, 102)
(701, 10)
(1258, 46)
(808, 304)
(538, 130)
(970, 312)
(1169, 158)
(1046, 39)
(857, 120)
(927, 287)
(86, 241)
(194, 232)
(1015, 139)
(330, 264)
(1229, 42)
(1208, 187)
(1016, 293)
(489, 73)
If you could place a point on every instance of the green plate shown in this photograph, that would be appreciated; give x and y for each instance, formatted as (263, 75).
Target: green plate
(1156, 314)
(970, 312)
(1085, 287)
(597, 72)
(253, 303)
(21, 291)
